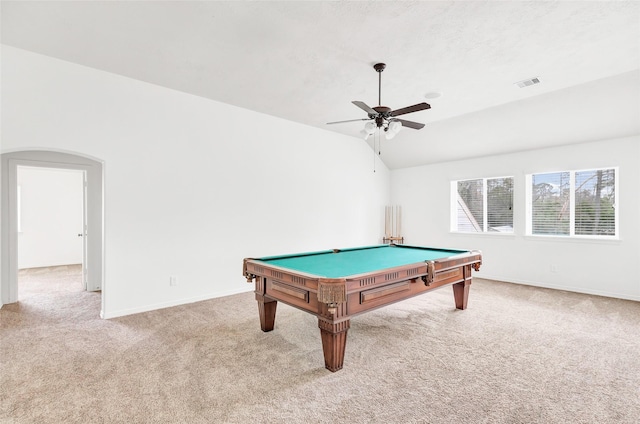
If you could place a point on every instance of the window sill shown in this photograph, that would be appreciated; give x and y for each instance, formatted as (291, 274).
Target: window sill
(574, 239)
(541, 238)
(491, 234)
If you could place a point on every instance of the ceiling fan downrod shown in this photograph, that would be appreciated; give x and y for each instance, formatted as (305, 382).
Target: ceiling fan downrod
(379, 67)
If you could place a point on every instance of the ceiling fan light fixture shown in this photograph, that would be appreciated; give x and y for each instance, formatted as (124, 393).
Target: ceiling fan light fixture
(392, 129)
(364, 134)
(395, 126)
(389, 134)
(370, 127)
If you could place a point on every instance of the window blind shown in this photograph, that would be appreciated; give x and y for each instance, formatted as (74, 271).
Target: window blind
(594, 202)
(550, 203)
(484, 205)
(500, 204)
(470, 206)
(569, 203)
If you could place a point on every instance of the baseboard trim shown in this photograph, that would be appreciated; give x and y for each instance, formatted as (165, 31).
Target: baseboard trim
(170, 304)
(565, 288)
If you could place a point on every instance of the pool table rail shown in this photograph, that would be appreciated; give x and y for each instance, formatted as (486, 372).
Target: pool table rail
(335, 290)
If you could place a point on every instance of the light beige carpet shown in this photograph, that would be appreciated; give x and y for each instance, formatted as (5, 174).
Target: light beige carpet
(518, 354)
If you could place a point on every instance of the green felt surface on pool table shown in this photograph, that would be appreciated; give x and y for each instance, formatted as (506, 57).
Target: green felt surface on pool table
(347, 262)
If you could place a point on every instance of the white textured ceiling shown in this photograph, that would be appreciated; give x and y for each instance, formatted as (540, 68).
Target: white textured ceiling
(306, 61)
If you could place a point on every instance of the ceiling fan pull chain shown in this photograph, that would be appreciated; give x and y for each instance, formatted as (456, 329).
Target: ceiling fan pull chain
(376, 146)
(374, 153)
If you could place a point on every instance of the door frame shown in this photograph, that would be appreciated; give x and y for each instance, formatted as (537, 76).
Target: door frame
(94, 265)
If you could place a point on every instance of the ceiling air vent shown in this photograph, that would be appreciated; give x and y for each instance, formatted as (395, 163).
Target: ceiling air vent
(528, 82)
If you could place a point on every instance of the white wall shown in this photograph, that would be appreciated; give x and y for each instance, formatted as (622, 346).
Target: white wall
(192, 186)
(50, 217)
(599, 267)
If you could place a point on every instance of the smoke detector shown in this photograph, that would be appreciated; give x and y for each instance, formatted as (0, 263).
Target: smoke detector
(528, 82)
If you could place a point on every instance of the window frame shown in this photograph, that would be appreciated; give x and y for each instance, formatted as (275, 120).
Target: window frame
(485, 210)
(572, 205)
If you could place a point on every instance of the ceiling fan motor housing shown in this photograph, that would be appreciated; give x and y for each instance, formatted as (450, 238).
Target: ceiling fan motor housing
(382, 116)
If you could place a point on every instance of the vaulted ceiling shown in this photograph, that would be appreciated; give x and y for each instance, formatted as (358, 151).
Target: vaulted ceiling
(306, 61)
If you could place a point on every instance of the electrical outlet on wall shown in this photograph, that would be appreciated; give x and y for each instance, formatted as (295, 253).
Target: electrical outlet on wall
(173, 281)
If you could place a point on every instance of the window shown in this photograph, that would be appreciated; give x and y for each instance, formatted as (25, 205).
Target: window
(573, 203)
(482, 205)
(550, 203)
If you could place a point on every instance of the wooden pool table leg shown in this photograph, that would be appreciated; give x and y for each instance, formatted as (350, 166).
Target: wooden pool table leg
(267, 310)
(334, 339)
(461, 293)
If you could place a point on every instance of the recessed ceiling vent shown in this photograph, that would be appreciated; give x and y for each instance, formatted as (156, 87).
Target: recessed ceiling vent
(528, 82)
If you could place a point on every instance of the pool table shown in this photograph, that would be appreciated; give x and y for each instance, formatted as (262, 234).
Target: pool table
(337, 284)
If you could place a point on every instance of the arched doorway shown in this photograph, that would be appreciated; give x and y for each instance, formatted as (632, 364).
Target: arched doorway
(94, 231)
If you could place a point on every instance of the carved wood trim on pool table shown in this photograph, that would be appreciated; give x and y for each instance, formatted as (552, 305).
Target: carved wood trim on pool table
(332, 290)
(334, 341)
(380, 292)
(291, 291)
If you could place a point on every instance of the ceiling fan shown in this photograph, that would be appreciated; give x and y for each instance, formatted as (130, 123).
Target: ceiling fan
(382, 116)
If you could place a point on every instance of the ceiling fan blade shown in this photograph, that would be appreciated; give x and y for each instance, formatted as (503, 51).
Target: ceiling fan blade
(364, 107)
(410, 124)
(410, 109)
(350, 120)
